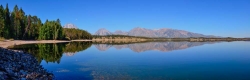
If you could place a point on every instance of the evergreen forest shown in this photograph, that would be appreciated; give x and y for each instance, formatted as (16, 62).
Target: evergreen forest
(17, 25)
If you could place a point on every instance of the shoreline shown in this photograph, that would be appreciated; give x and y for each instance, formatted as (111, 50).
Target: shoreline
(13, 62)
(7, 43)
(19, 65)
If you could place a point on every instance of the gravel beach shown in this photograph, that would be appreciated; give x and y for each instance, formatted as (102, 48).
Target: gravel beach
(18, 65)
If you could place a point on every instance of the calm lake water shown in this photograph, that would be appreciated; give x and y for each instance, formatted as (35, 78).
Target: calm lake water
(145, 61)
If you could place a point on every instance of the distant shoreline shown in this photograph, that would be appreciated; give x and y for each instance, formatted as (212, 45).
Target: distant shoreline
(104, 38)
(7, 43)
(81, 40)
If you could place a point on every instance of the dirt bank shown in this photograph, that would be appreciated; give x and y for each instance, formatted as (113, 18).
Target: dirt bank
(8, 43)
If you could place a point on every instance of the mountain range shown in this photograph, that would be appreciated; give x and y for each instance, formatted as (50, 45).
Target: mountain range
(164, 32)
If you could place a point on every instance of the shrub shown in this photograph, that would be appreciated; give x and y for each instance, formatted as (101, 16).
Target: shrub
(2, 39)
(11, 39)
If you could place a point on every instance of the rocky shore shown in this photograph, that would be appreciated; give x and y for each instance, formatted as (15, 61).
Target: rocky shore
(18, 65)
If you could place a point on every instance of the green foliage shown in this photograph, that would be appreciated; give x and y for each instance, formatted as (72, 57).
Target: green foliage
(32, 30)
(2, 16)
(73, 34)
(17, 25)
(7, 23)
(51, 30)
(4, 22)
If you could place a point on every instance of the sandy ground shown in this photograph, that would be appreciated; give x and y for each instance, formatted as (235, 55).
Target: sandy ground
(7, 43)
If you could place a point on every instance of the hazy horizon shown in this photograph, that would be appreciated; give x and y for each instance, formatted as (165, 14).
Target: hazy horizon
(208, 17)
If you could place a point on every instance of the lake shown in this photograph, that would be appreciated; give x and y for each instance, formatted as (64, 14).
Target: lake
(144, 61)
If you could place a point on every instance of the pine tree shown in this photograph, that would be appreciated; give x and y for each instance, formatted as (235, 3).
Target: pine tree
(2, 25)
(7, 22)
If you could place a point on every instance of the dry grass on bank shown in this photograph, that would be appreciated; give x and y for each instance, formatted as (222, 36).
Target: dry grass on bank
(7, 43)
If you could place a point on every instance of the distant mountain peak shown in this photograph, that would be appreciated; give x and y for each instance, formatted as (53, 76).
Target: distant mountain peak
(103, 31)
(163, 32)
(70, 25)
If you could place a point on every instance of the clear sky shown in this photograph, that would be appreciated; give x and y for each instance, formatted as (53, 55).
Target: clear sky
(210, 17)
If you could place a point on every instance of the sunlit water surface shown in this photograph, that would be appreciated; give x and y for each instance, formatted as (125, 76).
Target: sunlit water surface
(155, 61)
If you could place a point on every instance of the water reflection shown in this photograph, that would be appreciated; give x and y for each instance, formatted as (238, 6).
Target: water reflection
(160, 46)
(53, 52)
(198, 63)
(74, 47)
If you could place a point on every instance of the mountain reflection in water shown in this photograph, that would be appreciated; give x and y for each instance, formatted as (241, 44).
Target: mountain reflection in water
(54, 52)
(85, 61)
(160, 46)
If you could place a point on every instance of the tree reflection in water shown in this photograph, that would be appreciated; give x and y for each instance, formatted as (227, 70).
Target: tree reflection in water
(52, 52)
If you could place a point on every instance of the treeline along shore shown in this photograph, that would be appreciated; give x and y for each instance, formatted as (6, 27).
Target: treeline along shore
(16, 25)
(18, 28)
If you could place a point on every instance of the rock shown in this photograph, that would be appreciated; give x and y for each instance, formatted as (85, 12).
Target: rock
(24, 73)
(1, 73)
(23, 78)
(19, 65)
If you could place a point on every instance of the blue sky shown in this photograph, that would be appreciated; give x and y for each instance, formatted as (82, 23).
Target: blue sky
(210, 17)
